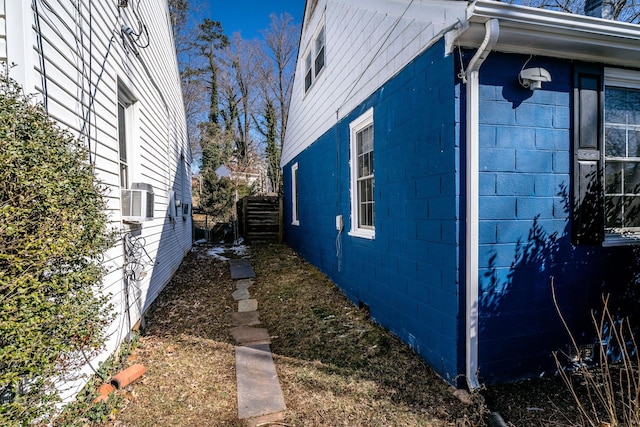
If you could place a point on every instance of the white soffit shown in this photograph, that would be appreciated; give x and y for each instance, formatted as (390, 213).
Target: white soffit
(556, 34)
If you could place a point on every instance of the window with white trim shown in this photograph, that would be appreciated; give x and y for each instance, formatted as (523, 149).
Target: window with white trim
(122, 144)
(308, 73)
(319, 61)
(126, 104)
(295, 219)
(622, 155)
(606, 145)
(362, 176)
(314, 57)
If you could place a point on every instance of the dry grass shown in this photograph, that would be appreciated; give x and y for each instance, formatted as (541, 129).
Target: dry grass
(188, 353)
(338, 368)
(335, 366)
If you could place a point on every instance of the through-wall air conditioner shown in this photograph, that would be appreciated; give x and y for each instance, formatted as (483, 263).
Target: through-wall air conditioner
(137, 203)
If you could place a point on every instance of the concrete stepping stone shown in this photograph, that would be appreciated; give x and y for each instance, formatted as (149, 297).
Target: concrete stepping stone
(246, 318)
(241, 294)
(241, 269)
(244, 284)
(258, 388)
(247, 305)
(246, 335)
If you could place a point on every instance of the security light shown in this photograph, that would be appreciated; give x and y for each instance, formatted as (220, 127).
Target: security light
(532, 78)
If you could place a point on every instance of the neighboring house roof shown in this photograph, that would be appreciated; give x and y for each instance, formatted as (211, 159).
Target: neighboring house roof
(236, 171)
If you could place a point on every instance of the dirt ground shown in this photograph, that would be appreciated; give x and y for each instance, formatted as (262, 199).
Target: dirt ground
(335, 366)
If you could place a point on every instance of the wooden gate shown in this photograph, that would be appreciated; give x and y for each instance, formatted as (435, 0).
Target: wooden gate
(260, 218)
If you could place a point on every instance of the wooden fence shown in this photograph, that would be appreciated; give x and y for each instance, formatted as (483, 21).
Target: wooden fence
(260, 218)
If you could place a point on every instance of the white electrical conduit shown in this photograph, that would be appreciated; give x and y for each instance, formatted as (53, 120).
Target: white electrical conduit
(492, 30)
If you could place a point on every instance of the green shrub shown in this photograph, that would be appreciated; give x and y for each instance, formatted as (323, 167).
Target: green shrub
(53, 232)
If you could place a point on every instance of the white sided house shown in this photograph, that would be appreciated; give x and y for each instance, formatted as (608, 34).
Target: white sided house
(107, 72)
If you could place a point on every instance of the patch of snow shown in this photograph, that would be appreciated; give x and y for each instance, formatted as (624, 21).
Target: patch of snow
(217, 253)
(240, 250)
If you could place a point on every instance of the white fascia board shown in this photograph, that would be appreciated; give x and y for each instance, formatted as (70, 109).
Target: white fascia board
(554, 34)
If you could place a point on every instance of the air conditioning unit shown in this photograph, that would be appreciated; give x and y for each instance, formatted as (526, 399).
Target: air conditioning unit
(137, 203)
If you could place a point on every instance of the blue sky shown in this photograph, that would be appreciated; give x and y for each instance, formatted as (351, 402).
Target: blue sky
(246, 16)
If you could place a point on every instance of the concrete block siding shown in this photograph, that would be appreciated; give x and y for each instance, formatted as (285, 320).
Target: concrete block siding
(525, 220)
(408, 274)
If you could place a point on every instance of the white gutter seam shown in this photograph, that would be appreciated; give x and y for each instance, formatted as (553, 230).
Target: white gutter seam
(492, 30)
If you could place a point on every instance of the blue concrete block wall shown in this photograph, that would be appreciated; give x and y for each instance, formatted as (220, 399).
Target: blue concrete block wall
(408, 275)
(525, 163)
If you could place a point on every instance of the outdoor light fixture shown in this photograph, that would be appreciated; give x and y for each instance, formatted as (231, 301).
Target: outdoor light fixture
(532, 78)
(123, 3)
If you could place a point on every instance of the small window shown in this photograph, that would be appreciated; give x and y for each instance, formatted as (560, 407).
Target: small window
(122, 144)
(308, 75)
(314, 58)
(362, 177)
(319, 62)
(295, 219)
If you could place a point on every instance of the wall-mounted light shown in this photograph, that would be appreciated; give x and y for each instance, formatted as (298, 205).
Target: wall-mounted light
(123, 3)
(532, 78)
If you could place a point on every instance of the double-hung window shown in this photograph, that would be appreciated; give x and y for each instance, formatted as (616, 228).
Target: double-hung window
(314, 57)
(606, 156)
(319, 61)
(308, 72)
(122, 143)
(621, 154)
(362, 177)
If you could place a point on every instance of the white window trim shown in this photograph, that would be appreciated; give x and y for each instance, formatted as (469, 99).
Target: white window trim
(355, 126)
(131, 110)
(295, 218)
(625, 79)
(317, 49)
(312, 52)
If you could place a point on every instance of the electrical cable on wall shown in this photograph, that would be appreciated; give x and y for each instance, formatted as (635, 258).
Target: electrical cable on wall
(134, 272)
(339, 250)
(88, 112)
(373, 58)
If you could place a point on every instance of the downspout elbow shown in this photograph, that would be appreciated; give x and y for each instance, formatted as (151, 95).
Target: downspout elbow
(492, 31)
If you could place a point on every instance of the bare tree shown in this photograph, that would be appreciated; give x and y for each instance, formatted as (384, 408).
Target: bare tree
(281, 40)
(276, 68)
(190, 64)
(241, 64)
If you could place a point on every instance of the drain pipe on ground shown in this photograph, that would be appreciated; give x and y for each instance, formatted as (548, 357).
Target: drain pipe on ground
(472, 79)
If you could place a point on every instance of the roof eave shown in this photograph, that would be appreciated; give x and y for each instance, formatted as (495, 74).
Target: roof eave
(555, 34)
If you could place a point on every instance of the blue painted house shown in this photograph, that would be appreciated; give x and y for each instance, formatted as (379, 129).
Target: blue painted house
(446, 161)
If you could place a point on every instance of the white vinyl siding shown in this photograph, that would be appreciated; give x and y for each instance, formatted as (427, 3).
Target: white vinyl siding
(71, 56)
(366, 43)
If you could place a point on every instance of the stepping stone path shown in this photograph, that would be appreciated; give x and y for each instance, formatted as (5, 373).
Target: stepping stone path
(260, 398)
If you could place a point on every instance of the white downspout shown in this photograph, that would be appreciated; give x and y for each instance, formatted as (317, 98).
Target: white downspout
(492, 30)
